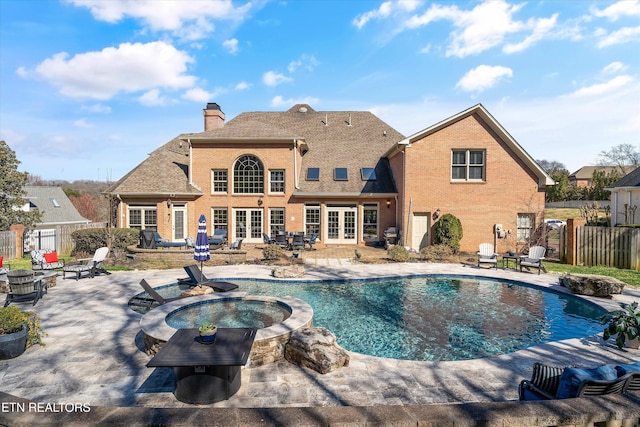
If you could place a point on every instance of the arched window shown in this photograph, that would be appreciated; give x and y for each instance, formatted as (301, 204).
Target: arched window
(248, 175)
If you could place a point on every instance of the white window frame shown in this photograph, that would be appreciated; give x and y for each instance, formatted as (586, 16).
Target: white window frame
(273, 181)
(219, 181)
(467, 165)
(144, 223)
(314, 207)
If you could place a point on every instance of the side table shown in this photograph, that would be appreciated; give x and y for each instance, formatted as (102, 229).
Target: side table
(507, 257)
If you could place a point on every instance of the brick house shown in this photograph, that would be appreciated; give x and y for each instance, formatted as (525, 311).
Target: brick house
(345, 175)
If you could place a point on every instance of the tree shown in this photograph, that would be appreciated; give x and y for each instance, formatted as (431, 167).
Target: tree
(12, 192)
(86, 206)
(553, 167)
(448, 231)
(620, 156)
(560, 174)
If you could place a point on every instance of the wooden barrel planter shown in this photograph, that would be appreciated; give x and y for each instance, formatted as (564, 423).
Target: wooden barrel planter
(21, 281)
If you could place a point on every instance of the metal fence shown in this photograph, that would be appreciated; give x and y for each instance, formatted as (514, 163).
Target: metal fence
(611, 247)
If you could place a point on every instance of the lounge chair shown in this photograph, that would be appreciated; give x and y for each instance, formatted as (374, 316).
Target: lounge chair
(197, 277)
(92, 266)
(24, 285)
(534, 258)
(486, 255)
(164, 243)
(298, 241)
(44, 259)
(235, 246)
(155, 295)
(218, 238)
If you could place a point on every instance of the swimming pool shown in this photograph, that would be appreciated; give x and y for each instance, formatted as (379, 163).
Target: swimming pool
(437, 318)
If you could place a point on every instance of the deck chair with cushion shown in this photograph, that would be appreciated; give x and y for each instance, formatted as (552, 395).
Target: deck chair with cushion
(533, 259)
(298, 242)
(164, 243)
(282, 240)
(88, 266)
(311, 241)
(486, 255)
(218, 238)
(197, 277)
(235, 246)
(267, 239)
(44, 259)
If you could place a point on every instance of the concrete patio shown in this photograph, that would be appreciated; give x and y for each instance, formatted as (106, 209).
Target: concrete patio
(93, 354)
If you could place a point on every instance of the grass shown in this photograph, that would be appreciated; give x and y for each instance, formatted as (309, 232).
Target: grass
(630, 277)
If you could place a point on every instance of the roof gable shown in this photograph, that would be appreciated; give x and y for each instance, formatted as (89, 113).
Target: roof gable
(632, 179)
(53, 203)
(543, 177)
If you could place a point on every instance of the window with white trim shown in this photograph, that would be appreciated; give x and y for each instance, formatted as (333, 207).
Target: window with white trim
(219, 181)
(468, 165)
(248, 175)
(276, 181)
(220, 219)
(276, 221)
(526, 222)
(312, 220)
(143, 217)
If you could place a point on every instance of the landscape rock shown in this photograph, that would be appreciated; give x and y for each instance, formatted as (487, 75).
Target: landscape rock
(289, 272)
(592, 285)
(197, 290)
(316, 348)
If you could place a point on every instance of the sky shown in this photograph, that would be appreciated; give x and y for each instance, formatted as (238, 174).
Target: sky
(88, 88)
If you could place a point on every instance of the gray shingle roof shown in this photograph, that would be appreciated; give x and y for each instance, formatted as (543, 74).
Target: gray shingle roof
(351, 139)
(632, 179)
(53, 203)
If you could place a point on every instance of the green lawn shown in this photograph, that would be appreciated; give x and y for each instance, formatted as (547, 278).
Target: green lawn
(630, 277)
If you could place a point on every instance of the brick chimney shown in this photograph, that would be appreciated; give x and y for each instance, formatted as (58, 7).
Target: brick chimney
(213, 117)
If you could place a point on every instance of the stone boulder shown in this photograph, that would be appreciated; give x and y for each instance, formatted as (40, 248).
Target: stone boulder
(197, 290)
(316, 348)
(592, 285)
(289, 272)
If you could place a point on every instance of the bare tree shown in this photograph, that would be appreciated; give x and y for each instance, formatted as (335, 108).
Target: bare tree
(620, 156)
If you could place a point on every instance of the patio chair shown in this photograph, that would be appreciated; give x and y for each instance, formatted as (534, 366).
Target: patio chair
(533, 259)
(486, 255)
(235, 246)
(267, 240)
(218, 238)
(45, 259)
(164, 243)
(197, 277)
(298, 241)
(4, 267)
(282, 240)
(92, 266)
(155, 295)
(311, 241)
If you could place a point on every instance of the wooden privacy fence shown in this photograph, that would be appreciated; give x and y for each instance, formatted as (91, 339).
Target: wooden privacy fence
(611, 247)
(8, 244)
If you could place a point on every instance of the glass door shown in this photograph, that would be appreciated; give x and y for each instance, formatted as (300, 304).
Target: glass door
(341, 225)
(248, 225)
(179, 225)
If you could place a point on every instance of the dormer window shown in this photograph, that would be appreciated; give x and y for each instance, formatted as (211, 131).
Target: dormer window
(340, 174)
(313, 174)
(368, 174)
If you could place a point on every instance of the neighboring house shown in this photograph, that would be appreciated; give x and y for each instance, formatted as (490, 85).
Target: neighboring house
(56, 209)
(625, 199)
(345, 175)
(582, 177)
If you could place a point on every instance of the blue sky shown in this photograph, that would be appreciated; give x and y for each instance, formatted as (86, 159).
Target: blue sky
(89, 88)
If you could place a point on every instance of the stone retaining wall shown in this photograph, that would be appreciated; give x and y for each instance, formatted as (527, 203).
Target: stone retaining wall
(186, 255)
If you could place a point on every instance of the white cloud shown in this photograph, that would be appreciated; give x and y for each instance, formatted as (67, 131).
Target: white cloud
(383, 11)
(127, 68)
(623, 35)
(231, 45)
(190, 20)
(541, 29)
(483, 77)
(199, 95)
(152, 98)
(242, 86)
(307, 62)
(279, 101)
(614, 68)
(97, 108)
(271, 78)
(82, 123)
(617, 10)
(605, 88)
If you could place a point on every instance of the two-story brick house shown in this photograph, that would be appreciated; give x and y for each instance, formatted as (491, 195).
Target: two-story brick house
(344, 175)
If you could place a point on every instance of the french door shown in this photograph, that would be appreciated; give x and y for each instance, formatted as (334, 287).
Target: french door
(342, 222)
(179, 225)
(248, 225)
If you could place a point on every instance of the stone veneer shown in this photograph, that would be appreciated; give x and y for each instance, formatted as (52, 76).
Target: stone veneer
(269, 344)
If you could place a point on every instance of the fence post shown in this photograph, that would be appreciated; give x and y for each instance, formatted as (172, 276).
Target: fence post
(572, 248)
(19, 229)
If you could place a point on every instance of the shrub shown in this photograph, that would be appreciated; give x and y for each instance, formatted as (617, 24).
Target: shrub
(436, 252)
(12, 319)
(90, 239)
(398, 253)
(272, 252)
(448, 231)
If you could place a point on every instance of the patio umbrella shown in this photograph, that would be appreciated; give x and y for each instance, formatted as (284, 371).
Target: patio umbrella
(201, 251)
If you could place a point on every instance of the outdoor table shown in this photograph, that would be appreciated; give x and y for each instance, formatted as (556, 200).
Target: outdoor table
(206, 373)
(507, 257)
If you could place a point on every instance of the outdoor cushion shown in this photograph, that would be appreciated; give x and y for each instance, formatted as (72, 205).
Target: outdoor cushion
(572, 377)
(628, 368)
(1, 261)
(51, 257)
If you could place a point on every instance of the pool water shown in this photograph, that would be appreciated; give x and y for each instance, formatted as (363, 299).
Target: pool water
(436, 318)
(229, 313)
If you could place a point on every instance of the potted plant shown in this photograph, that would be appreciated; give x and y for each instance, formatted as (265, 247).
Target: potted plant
(624, 324)
(18, 331)
(207, 333)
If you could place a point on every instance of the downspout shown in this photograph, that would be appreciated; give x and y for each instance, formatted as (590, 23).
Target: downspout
(190, 161)
(404, 193)
(295, 165)
(120, 214)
